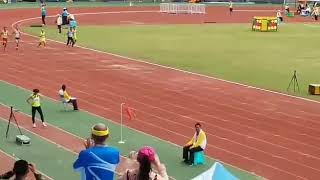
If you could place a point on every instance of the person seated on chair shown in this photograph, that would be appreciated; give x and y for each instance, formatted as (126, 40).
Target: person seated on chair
(196, 144)
(67, 98)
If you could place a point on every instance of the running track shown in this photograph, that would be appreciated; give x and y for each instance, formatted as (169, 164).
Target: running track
(55, 135)
(8, 160)
(272, 135)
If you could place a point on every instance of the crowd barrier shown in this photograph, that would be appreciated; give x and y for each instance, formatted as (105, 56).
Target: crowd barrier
(182, 8)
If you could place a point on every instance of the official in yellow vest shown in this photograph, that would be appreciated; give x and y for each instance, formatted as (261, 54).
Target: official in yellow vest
(67, 98)
(197, 143)
(42, 40)
(35, 101)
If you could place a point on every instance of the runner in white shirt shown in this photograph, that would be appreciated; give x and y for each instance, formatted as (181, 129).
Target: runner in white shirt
(17, 36)
(230, 7)
(279, 16)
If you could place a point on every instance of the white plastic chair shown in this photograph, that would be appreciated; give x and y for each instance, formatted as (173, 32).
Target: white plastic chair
(62, 100)
(64, 103)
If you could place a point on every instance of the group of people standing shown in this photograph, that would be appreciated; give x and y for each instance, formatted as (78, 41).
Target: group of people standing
(5, 36)
(303, 10)
(34, 100)
(307, 10)
(67, 19)
(64, 19)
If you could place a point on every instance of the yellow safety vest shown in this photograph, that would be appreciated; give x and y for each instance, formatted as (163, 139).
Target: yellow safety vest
(35, 100)
(42, 34)
(66, 96)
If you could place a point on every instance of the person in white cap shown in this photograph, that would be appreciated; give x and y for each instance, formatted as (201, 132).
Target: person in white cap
(65, 16)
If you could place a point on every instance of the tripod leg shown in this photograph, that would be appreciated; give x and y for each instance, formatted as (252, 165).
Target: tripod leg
(296, 79)
(16, 123)
(294, 85)
(290, 84)
(7, 131)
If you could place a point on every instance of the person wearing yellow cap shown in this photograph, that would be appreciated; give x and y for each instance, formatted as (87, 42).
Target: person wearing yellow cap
(97, 161)
(34, 101)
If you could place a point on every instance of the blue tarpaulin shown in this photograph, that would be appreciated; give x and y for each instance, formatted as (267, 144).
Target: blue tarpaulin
(216, 172)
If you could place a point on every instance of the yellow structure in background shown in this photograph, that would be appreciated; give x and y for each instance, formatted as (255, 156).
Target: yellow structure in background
(265, 24)
(314, 89)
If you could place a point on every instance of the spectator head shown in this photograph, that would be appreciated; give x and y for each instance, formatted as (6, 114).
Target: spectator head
(21, 168)
(63, 87)
(198, 127)
(146, 156)
(36, 91)
(4, 28)
(99, 133)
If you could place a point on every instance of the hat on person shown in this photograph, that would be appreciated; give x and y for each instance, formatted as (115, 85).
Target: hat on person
(148, 152)
(99, 132)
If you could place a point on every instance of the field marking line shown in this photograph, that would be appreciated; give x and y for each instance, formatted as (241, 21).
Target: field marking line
(48, 140)
(152, 136)
(81, 137)
(16, 158)
(116, 55)
(159, 65)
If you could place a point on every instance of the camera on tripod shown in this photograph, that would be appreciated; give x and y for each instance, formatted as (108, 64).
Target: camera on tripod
(14, 110)
(20, 139)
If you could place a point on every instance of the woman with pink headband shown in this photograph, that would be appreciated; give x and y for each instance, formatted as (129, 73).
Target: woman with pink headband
(148, 160)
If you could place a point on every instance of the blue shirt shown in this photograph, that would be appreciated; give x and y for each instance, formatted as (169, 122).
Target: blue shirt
(65, 13)
(97, 163)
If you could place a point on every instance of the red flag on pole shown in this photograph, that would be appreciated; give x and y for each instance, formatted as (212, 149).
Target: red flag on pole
(130, 112)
